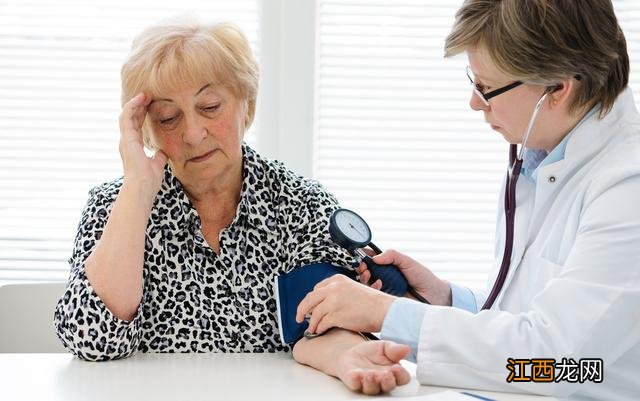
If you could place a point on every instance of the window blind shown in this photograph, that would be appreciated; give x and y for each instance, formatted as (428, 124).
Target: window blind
(395, 139)
(59, 108)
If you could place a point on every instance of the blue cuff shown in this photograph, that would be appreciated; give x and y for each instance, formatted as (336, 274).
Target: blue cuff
(402, 324)
(463, 298)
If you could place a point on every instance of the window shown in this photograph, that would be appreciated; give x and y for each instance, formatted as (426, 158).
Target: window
(59, 108)
(395, 139)
(393, 136)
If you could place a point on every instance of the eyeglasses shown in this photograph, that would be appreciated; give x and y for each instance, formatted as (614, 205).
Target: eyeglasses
(477, 89)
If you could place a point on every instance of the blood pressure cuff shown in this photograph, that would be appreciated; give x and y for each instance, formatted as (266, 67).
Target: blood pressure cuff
(292, 287)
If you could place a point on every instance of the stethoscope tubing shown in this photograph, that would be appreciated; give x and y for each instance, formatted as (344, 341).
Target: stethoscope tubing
(513, 173)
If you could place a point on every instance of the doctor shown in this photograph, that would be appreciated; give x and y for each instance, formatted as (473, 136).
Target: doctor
(552, 76)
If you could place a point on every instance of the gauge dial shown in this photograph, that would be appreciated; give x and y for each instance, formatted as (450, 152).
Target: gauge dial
(349, 230)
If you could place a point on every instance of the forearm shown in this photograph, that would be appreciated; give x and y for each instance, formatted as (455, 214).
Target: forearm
(323, 352)
(114, 268)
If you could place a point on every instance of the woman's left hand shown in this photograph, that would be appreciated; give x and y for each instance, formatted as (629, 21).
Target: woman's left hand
(372, 367)
(341, 302)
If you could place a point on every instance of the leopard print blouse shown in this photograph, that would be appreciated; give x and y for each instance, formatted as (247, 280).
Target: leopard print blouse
(195, 300)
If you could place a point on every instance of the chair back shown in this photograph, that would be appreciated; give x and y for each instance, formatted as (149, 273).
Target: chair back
(26, 318)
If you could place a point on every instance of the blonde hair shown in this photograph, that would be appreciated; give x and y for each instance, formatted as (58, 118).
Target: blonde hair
(546, 41)
(170, 55)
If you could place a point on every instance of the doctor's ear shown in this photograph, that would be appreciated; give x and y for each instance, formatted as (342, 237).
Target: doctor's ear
(560, 93)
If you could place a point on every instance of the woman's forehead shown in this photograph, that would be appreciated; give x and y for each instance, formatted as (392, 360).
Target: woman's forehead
(188, 90)
(171, 76)
(483, 66)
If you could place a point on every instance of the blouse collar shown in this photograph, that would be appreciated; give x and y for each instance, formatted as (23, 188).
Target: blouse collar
(258, 197)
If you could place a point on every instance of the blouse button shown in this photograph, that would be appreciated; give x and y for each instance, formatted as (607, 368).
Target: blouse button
(552, 179)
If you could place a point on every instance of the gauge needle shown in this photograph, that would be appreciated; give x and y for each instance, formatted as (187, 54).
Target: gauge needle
(352, 226)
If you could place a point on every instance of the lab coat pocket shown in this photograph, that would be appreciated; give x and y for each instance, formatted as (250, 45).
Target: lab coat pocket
(533, 274)
(544, 270)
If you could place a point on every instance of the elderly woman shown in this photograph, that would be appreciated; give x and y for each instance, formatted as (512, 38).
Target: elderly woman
(179, 255)
(551, 75)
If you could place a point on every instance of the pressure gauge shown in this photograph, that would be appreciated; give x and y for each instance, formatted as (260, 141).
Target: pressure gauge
(349, 230)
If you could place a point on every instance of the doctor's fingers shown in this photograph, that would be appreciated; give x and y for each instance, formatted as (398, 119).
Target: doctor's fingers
(391, 257)
(344, 284)
(325, 316)
(362, 267)
(316, 326)
(336, 310)
(318, 294)
(365, 278)
(377, 285)
(308, 303)
(364, 275)
(335, 279)
(323, 320)
(369, 251)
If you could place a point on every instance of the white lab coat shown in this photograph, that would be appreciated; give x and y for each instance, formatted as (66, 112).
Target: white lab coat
(573, 289)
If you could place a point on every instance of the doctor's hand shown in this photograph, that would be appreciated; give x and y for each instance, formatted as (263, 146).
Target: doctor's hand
(365, 274)
(427, 284)
(341, 302)
(373, 367)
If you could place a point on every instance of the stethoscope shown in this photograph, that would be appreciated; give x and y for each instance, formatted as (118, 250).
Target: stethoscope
(352, 232)
(513, 173)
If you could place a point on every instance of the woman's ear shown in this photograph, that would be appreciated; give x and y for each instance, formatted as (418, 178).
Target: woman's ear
(562, 93)
(245, 113)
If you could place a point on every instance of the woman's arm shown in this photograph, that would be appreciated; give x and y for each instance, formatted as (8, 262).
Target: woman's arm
(114, 268)
(83, 322)
(371, 367)
(95, 318)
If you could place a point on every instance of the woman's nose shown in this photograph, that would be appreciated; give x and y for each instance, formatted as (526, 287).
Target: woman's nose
(476, 103)
(194, 131)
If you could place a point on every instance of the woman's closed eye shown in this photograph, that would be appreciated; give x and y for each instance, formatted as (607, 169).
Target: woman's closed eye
(168, 120)
(210, 108)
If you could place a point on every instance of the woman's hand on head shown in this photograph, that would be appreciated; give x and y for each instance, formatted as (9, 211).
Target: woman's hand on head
(373, 367)
(139, 169)
(427, 284)
(341, 302)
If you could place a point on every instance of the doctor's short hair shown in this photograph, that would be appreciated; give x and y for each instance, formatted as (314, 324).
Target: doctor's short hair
(546, 41)
(177, 53)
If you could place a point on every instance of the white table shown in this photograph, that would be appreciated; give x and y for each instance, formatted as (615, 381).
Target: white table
(182, 377)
